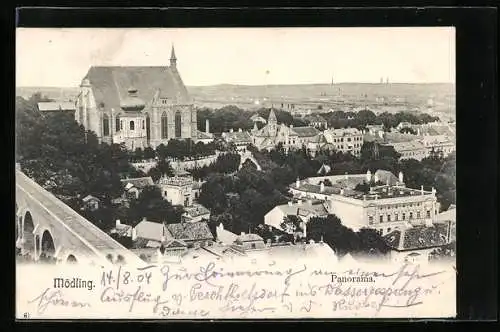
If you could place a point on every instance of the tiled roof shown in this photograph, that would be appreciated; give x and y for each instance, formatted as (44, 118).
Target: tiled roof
(407, 146)
(139, 182)
(304, 131)
(49, 106)
(190, 231)
(90, 197)
(307, 187)
(304, 209)
(237, 137)
(196, 210)
(110, 84)
(418, 237)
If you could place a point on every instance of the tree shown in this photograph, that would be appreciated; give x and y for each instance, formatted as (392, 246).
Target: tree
(152, 206)
(407, 130)
(291, 224)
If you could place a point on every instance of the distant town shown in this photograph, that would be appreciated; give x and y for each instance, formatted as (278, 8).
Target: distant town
(175, 173)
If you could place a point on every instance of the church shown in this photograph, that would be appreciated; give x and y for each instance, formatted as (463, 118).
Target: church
(139, 106)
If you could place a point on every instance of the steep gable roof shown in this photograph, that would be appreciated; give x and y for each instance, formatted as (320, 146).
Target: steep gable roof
(110, 84)
(190, 231)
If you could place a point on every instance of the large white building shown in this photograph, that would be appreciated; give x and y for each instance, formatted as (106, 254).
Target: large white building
(345, 139)
(384, 208)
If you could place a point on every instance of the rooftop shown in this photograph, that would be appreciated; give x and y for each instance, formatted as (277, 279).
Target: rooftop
(176, 181)
(304, 131)
(196, 210)
(418, 237)
(248, 238)
(306, 208)
(407, 146)
(148, 230)
(52, 106)
(237, 137)
(139, 182)
(190, 231)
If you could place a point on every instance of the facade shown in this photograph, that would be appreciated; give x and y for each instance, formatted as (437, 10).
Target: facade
(438, 143)
(411, 150)
(134, 186)
(345, 140)
(137, 106)
(384, 208)
(241, 139)
(178, 190)
(316, 121)
(291, 137)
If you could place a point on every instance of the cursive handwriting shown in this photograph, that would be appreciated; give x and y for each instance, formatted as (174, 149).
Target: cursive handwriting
(55, 297)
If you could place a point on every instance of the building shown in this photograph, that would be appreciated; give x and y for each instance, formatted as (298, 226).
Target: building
(289, 136)
(384, 207)
(191, 233)
(224, 236)
(178, 190)
(316, 121)
(410, 150)
(304, 210)
(134, 186)
(152, 234)
(52, 107)
(345, 140)
(374, 129)
(439, 144)
(241, 139)
(138, 106)
(415, 244)
(123, 230)
(91, 203)
(196, 213)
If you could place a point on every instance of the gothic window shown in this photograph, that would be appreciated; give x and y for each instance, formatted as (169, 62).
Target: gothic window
(178, 124)
(164, 125)
(428, 213)
(148, 127)
(142, 124)
(105, 125)
(117, 123)
(132, 125)
(121, 124)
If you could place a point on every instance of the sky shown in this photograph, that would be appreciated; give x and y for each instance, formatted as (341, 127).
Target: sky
(61, 57)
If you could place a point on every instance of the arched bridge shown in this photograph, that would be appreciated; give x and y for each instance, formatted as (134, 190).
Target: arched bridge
(248, 156)
(46, 225)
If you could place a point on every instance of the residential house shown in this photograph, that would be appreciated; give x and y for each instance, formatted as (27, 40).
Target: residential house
(91, 203)
(192, 233)
(241, 139)
(196, 213)
(134, 186)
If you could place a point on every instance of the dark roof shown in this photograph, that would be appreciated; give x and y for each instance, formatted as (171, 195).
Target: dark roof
(51, 106)
(305, 131)
(190, 231)
(418, 237)
(139, 182)
(248, 238)
(110, 84)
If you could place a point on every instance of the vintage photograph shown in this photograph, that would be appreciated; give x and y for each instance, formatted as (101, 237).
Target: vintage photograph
(228, 173)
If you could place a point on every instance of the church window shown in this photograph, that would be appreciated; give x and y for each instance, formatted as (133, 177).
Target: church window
(105, 125)
(132, 125)
(121, 124)
(164, 125)
(178, 124)
(117, 123)
(142, 124)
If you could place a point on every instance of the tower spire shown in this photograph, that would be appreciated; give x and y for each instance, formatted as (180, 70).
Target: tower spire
(173, 58)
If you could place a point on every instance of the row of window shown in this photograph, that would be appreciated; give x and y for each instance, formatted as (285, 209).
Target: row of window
(388, 217)
(164, 125)
(341, 140)
(398, 206)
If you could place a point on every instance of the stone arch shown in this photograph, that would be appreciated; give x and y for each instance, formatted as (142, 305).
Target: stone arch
(47, 244)
(178, 124)
(71, 259)
(247, 157)
(28, 227)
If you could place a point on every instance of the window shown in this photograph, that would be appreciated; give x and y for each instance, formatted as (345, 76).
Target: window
(348, 139)
(388, 217)
(388, 230)
(178, 124)
(253, 245)
(396, 217)
(117, 123)
(418, 214)
(142, 124)
(132, 125)
(404, 216)
(381, 218)
(121, 124)
(105, 125)
(370, 220)
(428, 213)
(164, 126)
(411, 215)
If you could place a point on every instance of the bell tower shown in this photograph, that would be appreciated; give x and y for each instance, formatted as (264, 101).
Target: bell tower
(173, 58)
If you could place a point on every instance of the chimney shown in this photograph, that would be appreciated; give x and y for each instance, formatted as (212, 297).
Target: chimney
(401, 177)
(422, 190)
(291, 126)
(322, 187)
(240, 130)
(376, 179)
(290, 203)
(368, 176)
(144, 219)
(433, 191)
(242, 233)
(342, 191)
(134, 234)
(207, 126)
(304, 227)
(346, 176)
(231, 130)
(297, 183)
(118, 223)
(221, 227)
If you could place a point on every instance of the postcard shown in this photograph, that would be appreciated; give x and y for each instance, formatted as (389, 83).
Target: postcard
(236, 173)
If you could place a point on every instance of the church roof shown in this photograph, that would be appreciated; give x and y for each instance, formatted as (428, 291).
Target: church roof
(272, 116)
(110, 84)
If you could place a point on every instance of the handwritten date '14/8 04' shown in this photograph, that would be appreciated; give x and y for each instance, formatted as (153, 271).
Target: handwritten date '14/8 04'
(125, 277)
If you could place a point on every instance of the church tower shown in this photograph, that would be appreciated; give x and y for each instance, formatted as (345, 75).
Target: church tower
(173, 59)
(272, 122)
